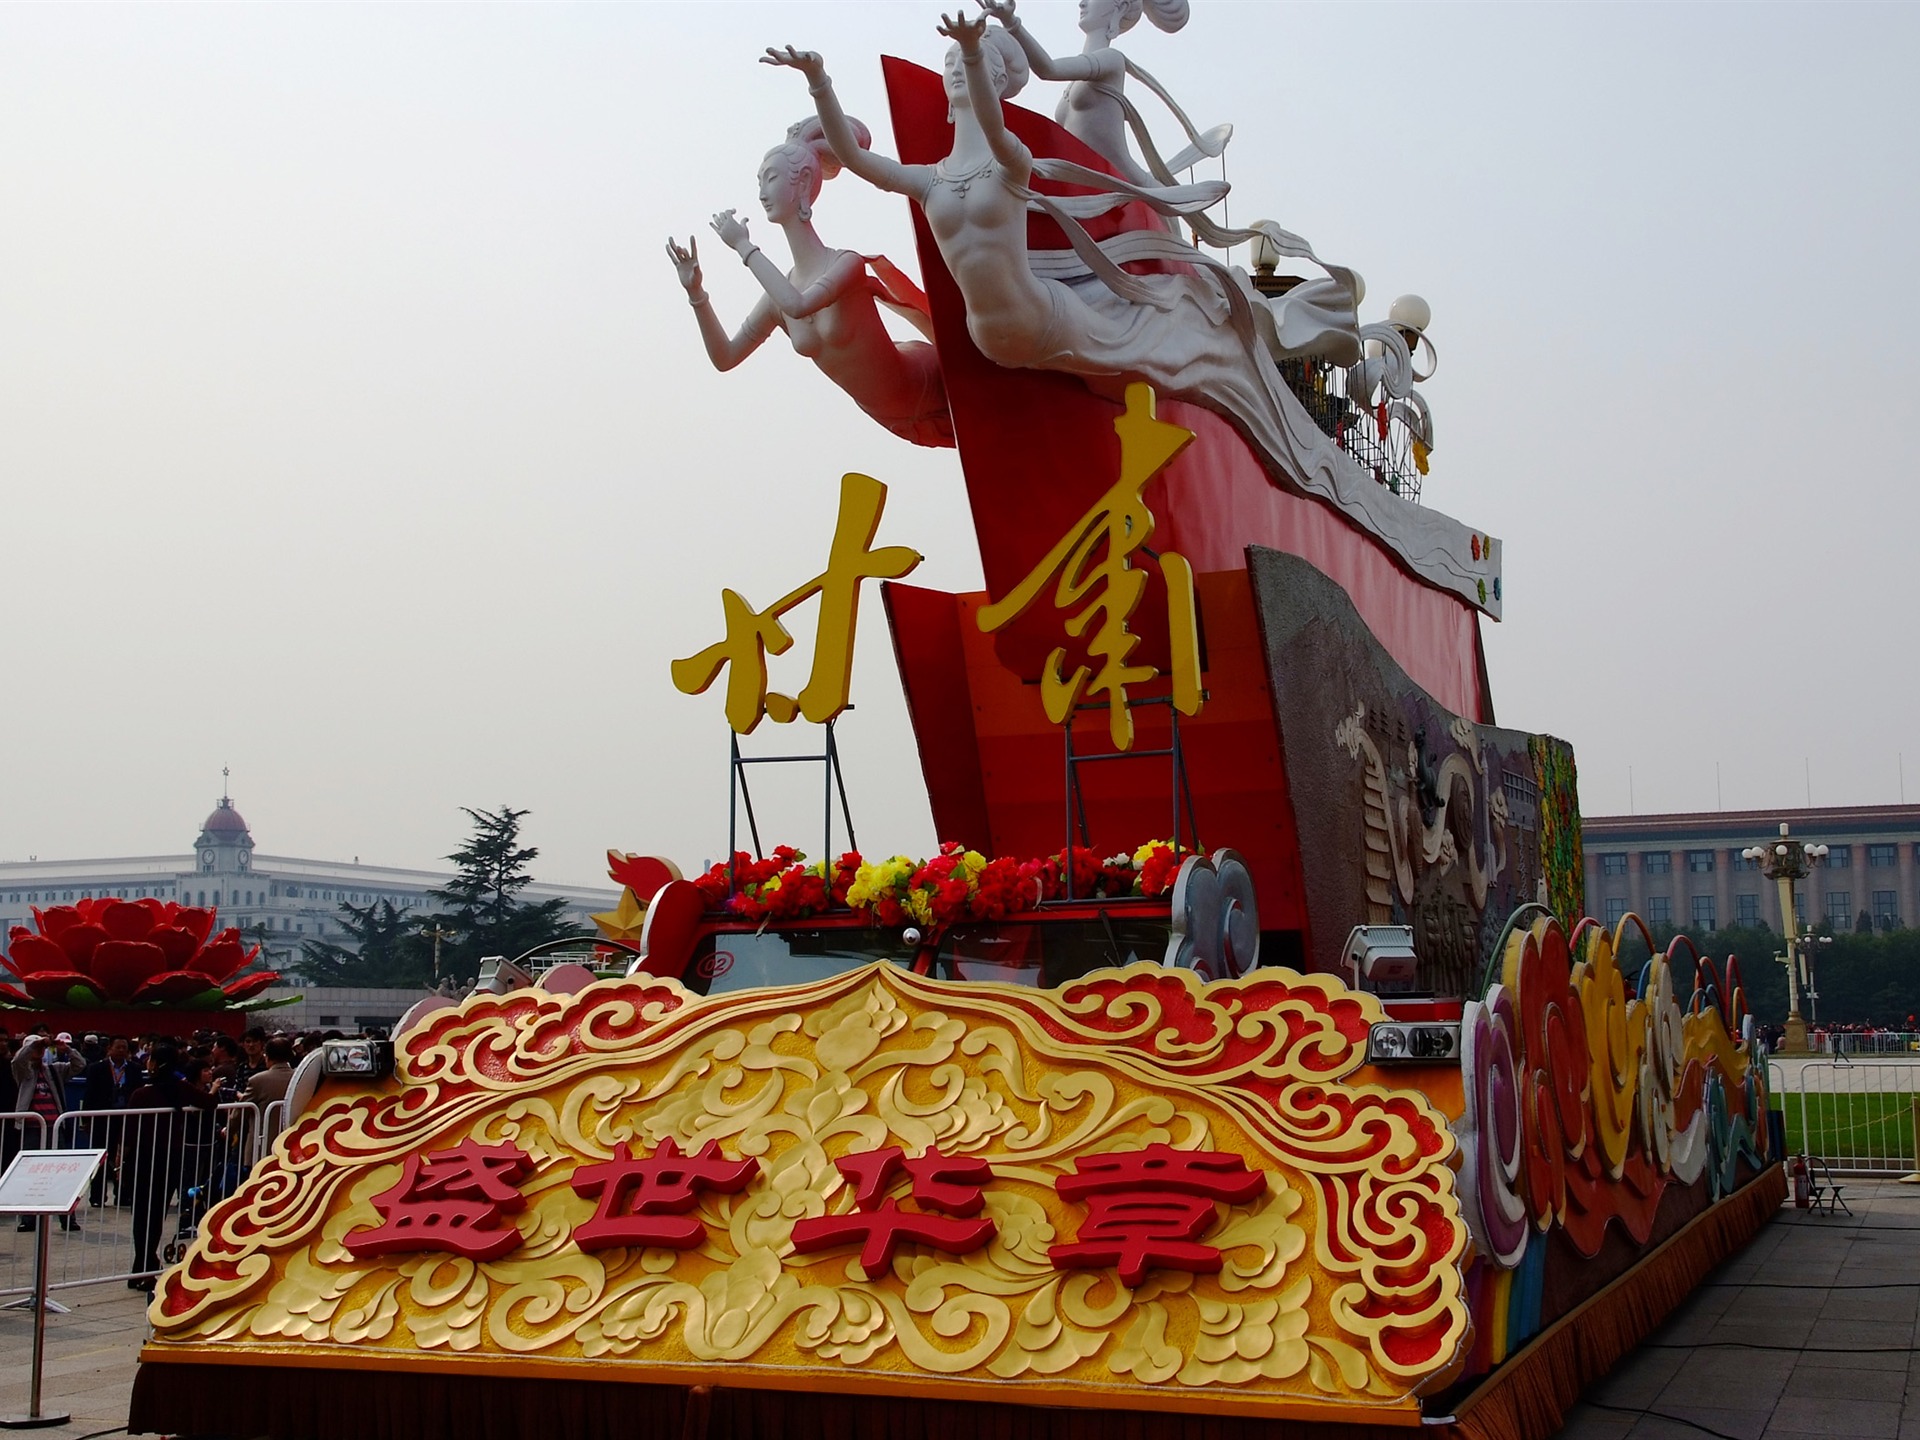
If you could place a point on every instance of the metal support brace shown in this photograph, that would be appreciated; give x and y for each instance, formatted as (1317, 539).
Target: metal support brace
(1076, 802)
(738, 793)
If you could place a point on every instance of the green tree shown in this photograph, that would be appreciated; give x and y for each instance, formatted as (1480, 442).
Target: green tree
(1861, 977)
(484, 910)
(385, 951)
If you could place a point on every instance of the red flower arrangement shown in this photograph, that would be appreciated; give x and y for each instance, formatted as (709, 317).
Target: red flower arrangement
(1159, 866)
(954, 886)
(130, 952)
(780, 886)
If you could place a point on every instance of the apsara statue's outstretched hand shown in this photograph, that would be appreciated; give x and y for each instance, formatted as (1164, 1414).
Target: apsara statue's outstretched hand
(827, 303)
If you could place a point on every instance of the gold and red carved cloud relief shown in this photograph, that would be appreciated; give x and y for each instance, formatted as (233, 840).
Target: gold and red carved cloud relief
(1338, 1282)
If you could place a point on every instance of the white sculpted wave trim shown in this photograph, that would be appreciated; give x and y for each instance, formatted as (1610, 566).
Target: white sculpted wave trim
(1434, 546)
(1317, 318)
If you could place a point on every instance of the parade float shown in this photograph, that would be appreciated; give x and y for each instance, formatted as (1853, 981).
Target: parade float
(1241, 1063)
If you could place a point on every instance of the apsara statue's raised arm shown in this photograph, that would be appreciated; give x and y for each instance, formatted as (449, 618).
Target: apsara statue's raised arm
(1095, 108)
(827, 303)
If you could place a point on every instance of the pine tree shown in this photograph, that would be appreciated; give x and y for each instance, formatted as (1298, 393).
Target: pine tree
(386, 951)
(484, 910)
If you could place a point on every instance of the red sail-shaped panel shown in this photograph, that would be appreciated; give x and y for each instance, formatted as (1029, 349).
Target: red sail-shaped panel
(1038, 447)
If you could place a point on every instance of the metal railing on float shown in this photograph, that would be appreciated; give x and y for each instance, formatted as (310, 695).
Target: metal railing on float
(163, 1171)
(1380, 438)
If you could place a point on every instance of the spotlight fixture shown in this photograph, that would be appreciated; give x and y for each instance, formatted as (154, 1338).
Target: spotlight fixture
(1426, 1042)
(356, 1059)
(1382, 956)
(501, 976)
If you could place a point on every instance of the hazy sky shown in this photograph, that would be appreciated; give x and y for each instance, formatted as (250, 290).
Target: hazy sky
(355, 434)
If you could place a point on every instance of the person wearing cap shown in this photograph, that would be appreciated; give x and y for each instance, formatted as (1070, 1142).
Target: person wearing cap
(40, 1074)
(76, 1078)
(44, 1065)
(63, 1049)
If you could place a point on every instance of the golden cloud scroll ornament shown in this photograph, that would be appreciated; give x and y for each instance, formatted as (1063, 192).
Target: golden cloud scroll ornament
(1135, 1191)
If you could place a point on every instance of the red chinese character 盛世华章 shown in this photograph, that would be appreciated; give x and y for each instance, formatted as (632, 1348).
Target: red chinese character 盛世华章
(450, 1200)
(1148, 1208)
(951, 1184)
(645, 1202)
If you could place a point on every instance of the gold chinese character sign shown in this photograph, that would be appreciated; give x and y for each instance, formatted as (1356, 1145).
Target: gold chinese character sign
(752, 635)
(1091, 567)
(1135, 1191)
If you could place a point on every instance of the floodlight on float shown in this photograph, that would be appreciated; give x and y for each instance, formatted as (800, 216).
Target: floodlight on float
(500, 976)
(356, 1059)
(1423, 1042)
(1382, 955)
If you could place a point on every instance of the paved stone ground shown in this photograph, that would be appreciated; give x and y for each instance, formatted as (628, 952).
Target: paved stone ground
(1808, 1332)
(90, 1358)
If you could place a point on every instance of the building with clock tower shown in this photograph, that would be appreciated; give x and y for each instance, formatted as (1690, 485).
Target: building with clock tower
(277, 901)
(225, 846)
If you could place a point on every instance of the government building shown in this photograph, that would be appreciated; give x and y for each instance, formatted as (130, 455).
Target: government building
(277, 901)
(1686, 871)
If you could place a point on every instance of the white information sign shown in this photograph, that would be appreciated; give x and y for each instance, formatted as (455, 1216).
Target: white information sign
(47, 1182)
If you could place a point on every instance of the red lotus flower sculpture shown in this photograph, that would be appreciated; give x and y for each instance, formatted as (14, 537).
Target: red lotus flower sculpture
(130, 952)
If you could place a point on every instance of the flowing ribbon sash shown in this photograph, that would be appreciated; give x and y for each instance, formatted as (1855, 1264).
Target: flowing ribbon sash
(892, 288)
(1202, 146)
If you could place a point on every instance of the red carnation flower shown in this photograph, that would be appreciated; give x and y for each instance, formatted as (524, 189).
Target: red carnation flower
(1158, 871)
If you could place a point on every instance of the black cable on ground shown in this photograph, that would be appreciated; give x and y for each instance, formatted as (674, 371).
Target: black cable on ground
(1833, 1229)
(1788, 1349)
(1663, 1415)
(1671, 1418)
(1799, 1285)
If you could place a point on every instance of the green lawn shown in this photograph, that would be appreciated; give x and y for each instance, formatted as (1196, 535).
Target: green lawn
(1851, 1129)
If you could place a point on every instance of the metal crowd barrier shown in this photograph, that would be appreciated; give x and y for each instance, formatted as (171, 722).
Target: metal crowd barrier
(19, 1130)
(1860, 1116)
(164, 1169)
(1880, 1042)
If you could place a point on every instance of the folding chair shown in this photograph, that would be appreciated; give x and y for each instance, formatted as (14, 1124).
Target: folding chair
(1826, 1190)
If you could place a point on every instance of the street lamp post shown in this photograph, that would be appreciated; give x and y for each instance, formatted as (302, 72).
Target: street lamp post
(436, 934)
(1810, 948)
(1783, 862)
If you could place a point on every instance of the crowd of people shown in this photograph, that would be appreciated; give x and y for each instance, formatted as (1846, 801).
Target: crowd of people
(1863, 1035)
(154, 1104)
(1851, 1036)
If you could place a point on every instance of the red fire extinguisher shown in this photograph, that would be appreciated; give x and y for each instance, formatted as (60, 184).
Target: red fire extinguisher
(1802, 1183)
